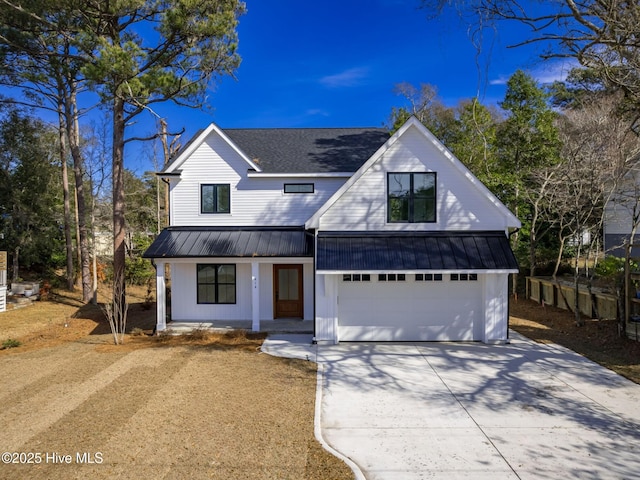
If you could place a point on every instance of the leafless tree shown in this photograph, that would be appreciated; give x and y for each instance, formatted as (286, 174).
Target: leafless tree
(600, 34)
(598, 152)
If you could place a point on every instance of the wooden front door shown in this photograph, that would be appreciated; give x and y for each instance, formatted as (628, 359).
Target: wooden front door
(287, 283)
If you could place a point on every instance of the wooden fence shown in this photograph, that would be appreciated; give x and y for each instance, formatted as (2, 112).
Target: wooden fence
(554, 293)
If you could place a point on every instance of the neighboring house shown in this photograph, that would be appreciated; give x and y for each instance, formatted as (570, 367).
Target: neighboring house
(373, 237)
(622, 213)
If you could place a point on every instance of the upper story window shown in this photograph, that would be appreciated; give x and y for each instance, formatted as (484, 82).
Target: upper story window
(215, 198)
(298, 188)
(411, 197)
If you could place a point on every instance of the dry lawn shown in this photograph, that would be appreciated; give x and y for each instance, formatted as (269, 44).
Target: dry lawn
(200, 406)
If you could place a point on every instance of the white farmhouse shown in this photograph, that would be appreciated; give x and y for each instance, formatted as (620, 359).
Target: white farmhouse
(373, 237)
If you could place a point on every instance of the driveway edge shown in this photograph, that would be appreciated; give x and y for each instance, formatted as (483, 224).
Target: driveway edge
(292, 346)
(318, 427)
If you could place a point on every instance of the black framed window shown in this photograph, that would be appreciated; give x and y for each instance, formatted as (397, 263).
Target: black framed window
(391, 277)
(428, 277)
(298, 188)
(356, 277)
(215, 198)
(216, 283)
(464, 277)
(411, 197)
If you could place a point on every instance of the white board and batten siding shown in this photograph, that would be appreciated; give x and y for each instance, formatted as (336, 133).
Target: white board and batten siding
(460, 205)
(254, 200)
(184, 301)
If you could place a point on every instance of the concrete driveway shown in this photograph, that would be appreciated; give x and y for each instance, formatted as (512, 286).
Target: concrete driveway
(472, 411)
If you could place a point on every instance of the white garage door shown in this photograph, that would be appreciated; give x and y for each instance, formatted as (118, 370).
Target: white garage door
(423, 309)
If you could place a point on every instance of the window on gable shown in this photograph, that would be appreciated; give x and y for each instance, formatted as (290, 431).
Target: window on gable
(216, 283)
(215, 198)
(411, 197)
(298, 187)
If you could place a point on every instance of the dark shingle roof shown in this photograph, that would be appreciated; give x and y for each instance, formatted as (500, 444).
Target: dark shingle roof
(309, 150)
(384, 251)
(184, 242)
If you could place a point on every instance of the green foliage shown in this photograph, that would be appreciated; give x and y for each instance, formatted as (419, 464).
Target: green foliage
(612, 267)
(528, 139)
(195, 40)
(138, 271)
(10, 343)
(141, 216)
(31, 209)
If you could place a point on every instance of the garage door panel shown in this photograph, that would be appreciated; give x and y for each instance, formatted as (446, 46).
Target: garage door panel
(409, 311)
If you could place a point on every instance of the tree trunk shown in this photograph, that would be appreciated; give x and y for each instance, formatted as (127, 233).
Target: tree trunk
(166, 150)
(576, 278)
(16, 264)
(78, 170)
(117, 172)
(68, 239)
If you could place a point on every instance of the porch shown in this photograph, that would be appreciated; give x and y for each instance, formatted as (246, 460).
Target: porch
(268, 326)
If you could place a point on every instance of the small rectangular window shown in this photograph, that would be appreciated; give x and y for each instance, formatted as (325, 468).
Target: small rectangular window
(391, 277)
(464, 277)
(437, 277)
(382, 277)
(298, 188)
(356, 277)
(454, 277)
(473, 277)
(401, 277)
(215, 198)
(427, 277)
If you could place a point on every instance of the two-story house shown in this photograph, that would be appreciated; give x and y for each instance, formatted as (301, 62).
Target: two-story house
(373, 237)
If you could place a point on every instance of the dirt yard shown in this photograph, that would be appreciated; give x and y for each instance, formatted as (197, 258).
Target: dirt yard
(76, 406)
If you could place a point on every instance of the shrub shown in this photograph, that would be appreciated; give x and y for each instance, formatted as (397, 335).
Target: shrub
(10, 343)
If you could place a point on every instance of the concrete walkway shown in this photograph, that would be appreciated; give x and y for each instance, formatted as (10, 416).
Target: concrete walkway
(472, 411)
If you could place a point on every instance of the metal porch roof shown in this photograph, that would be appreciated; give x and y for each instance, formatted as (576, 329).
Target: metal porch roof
(185, 242)
(388, 251)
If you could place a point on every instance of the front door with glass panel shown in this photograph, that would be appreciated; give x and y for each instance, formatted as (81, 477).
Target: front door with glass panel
(287, 283)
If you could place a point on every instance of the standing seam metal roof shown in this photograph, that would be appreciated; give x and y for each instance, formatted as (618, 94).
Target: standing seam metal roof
(354, 251)
(184, 242)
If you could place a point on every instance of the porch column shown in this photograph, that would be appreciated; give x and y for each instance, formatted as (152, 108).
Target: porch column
(255, 296)
(161, 298)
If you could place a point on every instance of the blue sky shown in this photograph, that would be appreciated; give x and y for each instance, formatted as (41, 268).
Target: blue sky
(336, 63)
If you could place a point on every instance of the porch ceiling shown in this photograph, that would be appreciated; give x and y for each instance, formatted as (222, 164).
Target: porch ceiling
(184, 242)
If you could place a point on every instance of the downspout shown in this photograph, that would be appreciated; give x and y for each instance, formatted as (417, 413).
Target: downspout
(514, 231)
